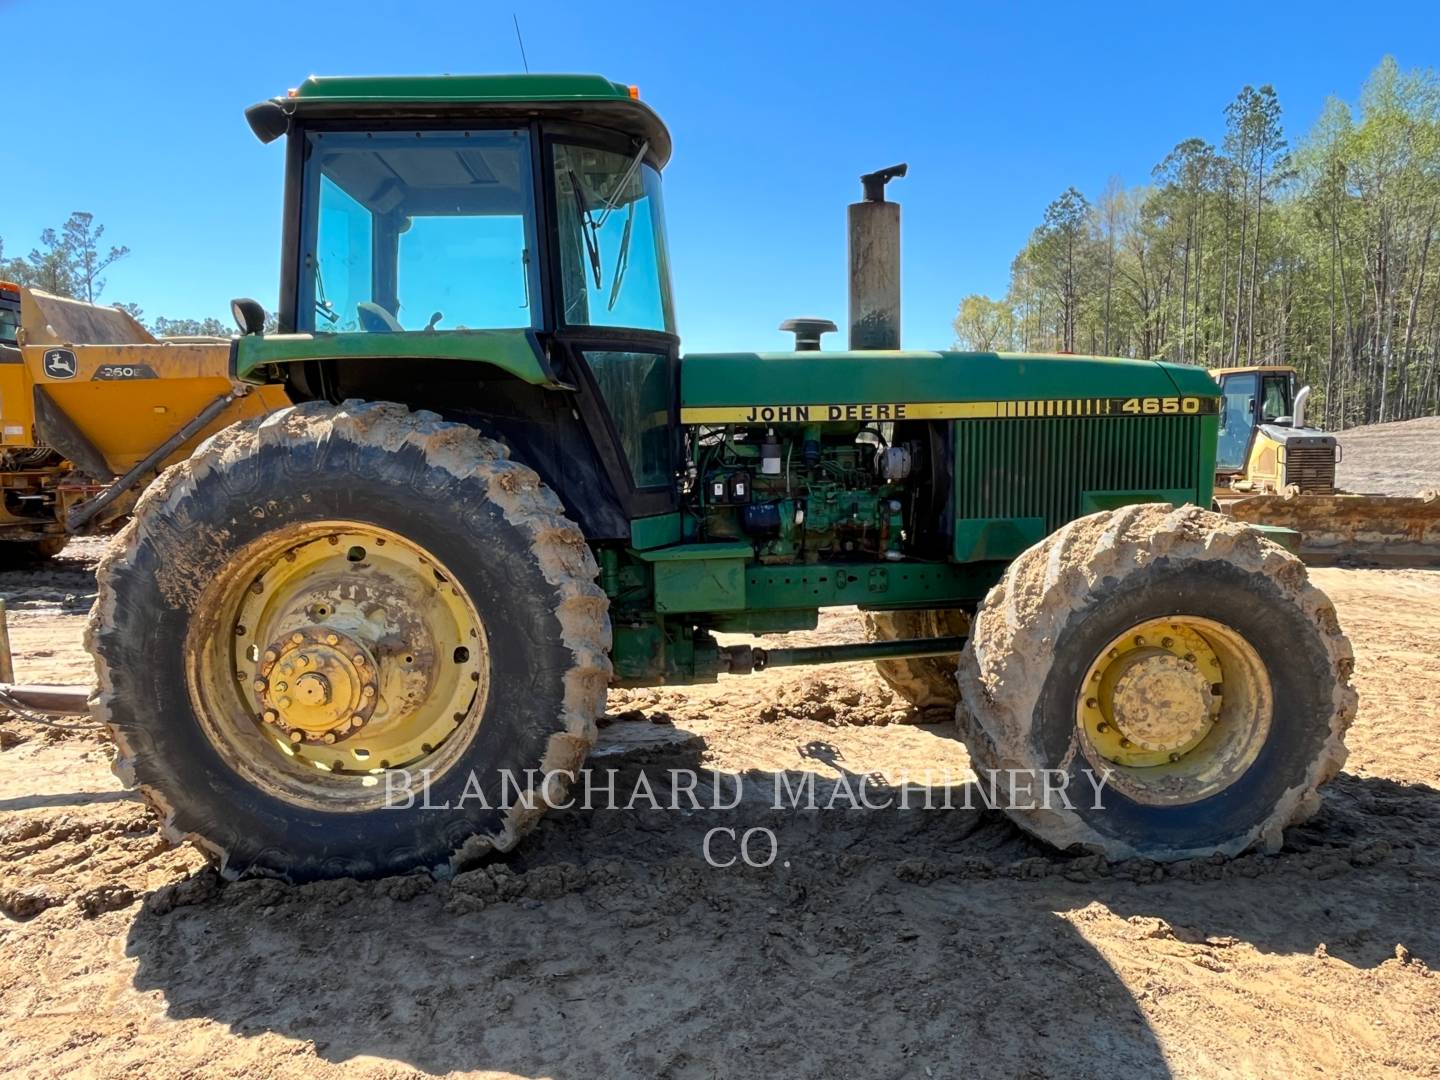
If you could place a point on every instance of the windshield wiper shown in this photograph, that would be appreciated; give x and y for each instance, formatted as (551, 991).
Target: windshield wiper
(589, 227)
(322, 304)
(630, 170)
(622, 260)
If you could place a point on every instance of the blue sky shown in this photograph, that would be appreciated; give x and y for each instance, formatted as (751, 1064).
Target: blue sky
(134, 112)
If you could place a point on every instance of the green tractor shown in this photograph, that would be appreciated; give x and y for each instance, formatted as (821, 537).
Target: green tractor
(501, 489)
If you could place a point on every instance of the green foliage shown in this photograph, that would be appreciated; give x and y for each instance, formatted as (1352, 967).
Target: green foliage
(984, 325)
(67, 262)
(1323, 257)
(163, 327)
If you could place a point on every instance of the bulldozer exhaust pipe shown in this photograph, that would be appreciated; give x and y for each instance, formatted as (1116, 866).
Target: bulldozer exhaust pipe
(875, 264)
(1297, 413)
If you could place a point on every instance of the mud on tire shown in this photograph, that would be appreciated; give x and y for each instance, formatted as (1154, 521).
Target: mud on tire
(505, 539)
(1059, 603)
(926, 682)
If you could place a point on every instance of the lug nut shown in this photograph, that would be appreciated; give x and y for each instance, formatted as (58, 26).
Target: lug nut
(295, 736)
(270, 716)
(368, 692)
(329, 736)
(1125, 743)
(259, 684)
(284, 703)
(359, 658)
(1114, 653)
(282, 686)
(331, 639)
(271, 656)
(297, 638)
(1174, 757)
(1167, 642)
(1091, 703)
(1139, 640)
(1102, 727)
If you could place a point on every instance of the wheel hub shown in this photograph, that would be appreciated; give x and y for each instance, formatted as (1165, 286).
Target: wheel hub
(1161, 702)
(1153, 694)
(317, 685)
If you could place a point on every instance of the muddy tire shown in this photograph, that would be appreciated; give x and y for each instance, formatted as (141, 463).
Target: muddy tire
(926, 682)
(1094, 656)
(347, 549)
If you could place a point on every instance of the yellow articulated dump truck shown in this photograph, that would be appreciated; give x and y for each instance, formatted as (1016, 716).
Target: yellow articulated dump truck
(93, 406)
(1272, 468)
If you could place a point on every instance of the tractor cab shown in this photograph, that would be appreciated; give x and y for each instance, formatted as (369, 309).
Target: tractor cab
(516, 220)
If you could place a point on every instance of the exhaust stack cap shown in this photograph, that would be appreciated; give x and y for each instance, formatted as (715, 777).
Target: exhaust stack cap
(874, 183)
(807, 332)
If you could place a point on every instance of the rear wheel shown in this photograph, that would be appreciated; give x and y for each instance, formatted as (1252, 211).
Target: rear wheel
(330, 621)
(926, 682)
(1177, 676)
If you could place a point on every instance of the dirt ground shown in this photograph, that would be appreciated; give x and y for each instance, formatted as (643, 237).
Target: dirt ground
(880, 943)
(1402, 458)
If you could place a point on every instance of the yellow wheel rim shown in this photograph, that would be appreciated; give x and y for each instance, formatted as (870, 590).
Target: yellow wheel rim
(332, 652)
(1180, 705)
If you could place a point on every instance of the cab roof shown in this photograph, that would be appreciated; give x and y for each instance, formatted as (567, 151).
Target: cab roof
(590, 99)
(1245, 369)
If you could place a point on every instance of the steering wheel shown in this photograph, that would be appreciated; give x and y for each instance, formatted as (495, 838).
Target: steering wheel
(374, 319)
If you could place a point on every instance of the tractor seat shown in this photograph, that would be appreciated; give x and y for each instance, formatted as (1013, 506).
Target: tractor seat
(374, 319)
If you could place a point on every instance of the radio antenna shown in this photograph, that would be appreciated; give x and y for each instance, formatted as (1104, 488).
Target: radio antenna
(521, 40)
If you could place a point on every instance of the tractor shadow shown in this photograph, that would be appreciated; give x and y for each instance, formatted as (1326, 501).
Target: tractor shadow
(878, 942)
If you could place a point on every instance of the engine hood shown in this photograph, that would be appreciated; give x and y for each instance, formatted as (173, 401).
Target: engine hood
(811, 387)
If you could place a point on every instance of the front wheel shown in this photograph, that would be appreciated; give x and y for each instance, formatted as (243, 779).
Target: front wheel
(346, 642)
(1165, 682)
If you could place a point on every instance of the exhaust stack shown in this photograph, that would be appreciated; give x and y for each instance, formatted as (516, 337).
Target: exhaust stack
(1297, 412)
(875, 264)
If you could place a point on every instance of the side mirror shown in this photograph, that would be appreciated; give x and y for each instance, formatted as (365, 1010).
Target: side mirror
(268, 120)
(248, 314)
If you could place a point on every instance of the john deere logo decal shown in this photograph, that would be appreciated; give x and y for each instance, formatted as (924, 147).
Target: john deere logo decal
(60, 363)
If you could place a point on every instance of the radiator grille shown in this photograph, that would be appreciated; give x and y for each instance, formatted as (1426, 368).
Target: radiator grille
(1311, 469)
(1040, 468)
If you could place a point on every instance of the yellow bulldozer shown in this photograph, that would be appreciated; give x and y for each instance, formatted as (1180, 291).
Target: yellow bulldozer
(1272, 468)
(93, 406)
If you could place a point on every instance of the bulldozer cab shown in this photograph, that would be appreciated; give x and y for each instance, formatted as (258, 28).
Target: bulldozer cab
(1250, 397)
(514, 220)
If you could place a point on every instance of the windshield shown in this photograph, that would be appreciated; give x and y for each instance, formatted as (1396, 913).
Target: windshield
(418, 230)
(1275, 401)
(613, 265)
(9, 321)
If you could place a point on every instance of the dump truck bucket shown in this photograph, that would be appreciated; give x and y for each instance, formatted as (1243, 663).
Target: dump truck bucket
(1381, 530)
